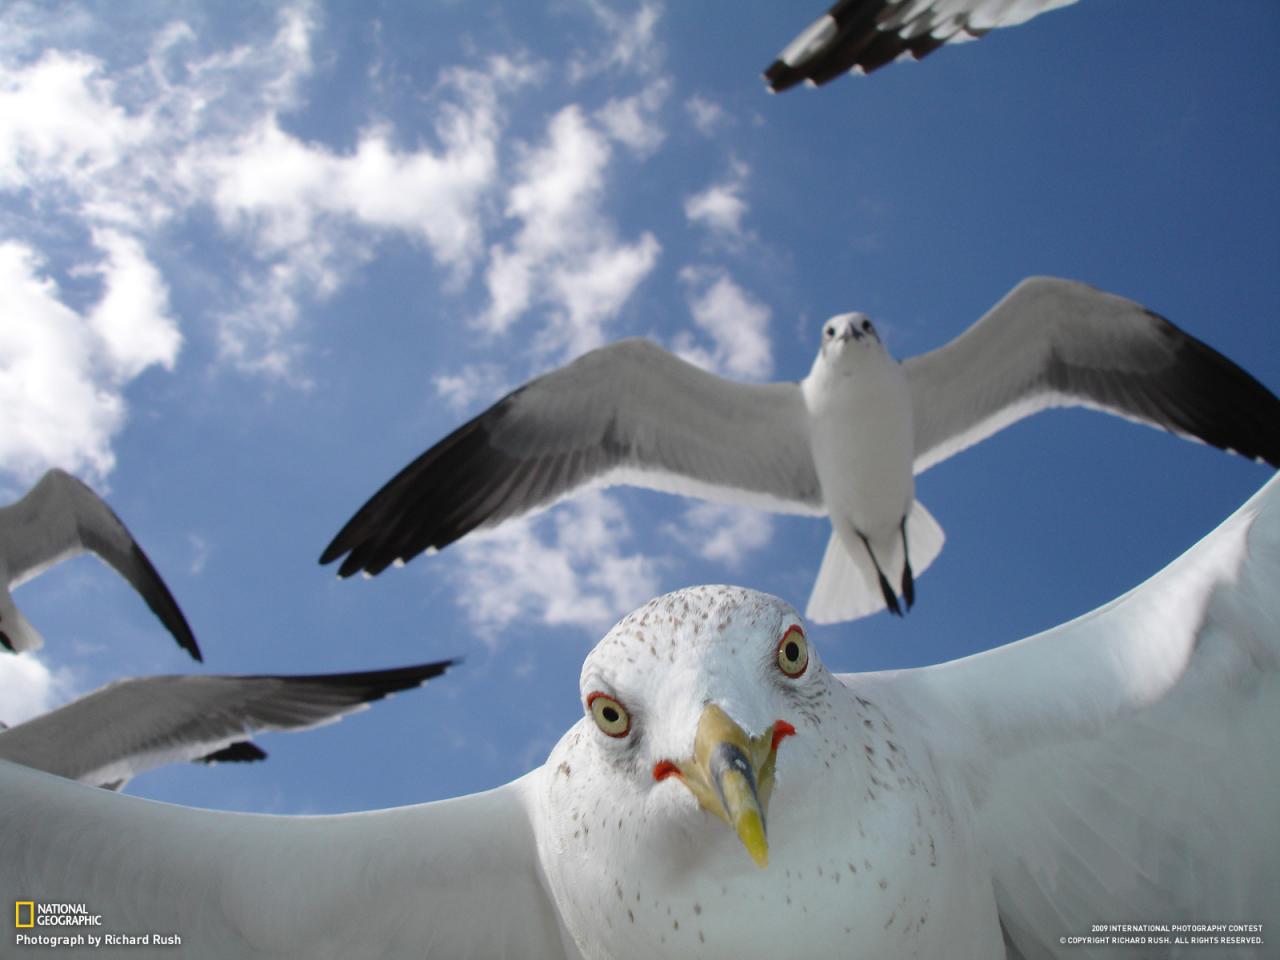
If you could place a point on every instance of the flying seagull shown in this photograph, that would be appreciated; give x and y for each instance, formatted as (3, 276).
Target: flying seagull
(108, 737)
(844, 442)
(724, 795)
(865, 35)
(59, 518)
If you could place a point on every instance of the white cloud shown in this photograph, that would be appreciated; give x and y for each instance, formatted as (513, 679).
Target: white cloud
(565, 253)
(60, 380)
(29, 688)
(132, 319)
(720, 208)
(59, 123)
(471, 386)
(737, 324)
(563, 568)
(633, 121)
(708, 117)
(632, 43)
(723, 533)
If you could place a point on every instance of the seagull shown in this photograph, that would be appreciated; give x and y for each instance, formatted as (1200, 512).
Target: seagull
(108, 737)
(867, 34)
(845, 442)
(59, 518)
(724, 795)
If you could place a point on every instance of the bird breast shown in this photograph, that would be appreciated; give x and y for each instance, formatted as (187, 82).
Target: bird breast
(863, 443)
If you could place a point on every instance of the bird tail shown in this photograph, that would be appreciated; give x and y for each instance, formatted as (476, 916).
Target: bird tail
(16, 633)
(848, 585)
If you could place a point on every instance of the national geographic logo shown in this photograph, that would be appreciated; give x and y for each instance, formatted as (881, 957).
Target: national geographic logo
(28, 914)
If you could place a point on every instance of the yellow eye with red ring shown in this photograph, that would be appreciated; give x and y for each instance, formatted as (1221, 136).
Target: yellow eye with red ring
(793, 652)
(610, 715)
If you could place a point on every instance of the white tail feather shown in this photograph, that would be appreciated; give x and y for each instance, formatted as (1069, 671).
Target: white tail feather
(19, 633)
(847, 586)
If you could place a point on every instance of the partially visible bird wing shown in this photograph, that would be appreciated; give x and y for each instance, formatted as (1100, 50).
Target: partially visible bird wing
(61, 517)
(1057, 343)
(1126, 764)
(627, 413)
(867, 34)
(454, 879)
(130, 726)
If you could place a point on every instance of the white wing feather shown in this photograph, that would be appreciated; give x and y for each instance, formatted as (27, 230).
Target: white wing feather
(1125, 767)
(454, 879)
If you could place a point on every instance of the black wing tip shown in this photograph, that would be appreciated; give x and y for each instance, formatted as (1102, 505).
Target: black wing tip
(780, 77)
(160, 599)
(425, 505)
(246, 751)
(366, 686)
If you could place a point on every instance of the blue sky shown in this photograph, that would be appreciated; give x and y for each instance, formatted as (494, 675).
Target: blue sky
(254, 258)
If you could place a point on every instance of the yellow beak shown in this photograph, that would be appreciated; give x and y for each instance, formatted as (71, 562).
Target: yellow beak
(731, 774)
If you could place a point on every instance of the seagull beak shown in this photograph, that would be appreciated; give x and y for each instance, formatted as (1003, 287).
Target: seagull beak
(731, 775)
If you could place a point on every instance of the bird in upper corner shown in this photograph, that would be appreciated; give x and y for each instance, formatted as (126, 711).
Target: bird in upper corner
(722, 794)
(843, 443)
(108, 737)
(59, 518)
(865, 35)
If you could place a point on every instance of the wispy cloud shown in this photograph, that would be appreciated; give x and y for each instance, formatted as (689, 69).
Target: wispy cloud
(723, 533)
(471, 385)
(634, 120)
(28, 687)
(721, 207)
(568, 567)
(707, 116)
(62, 373)
(631, 42)
(565, 254)
(735, 322)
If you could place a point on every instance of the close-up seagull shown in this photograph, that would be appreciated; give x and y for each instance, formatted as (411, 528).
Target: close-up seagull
(845, 442)
(865, 35)
(724, 795)
(108, 737)
(59, 518)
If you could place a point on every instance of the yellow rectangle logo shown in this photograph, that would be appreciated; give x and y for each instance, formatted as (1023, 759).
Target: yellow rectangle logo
(31, 913)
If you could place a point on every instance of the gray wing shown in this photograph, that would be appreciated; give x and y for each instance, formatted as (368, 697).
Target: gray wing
(867, 34)
(453, 880)
(130, 726)
(60, 517)
(1126, 764)
(626, 413)
(1059, 343)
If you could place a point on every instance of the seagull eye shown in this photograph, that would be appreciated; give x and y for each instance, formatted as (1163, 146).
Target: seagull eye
(830, 331)
(610, 716)
(866, 325)
(793, 652)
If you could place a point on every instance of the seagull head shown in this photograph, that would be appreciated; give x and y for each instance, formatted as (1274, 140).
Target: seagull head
(691, 704)
(846, 336)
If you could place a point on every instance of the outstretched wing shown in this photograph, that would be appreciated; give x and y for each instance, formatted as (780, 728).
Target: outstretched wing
(867, 34)
(1125, 767)
(1057, 343)
(130, 726)
(61, 517)
(454, 879)
(626, 413)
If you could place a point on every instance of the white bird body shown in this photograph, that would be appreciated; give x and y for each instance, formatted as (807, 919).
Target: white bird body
(1120, 768)
(863, 444)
